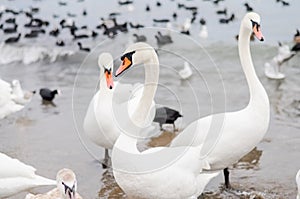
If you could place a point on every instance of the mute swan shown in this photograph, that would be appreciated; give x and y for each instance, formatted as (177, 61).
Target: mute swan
(231, 135)
(99, 122)
(66, 187)
(159, 172)
(272, 68)
(7, 105)
(186, 72)
(16, 177)
(20, 96)
(298, 184)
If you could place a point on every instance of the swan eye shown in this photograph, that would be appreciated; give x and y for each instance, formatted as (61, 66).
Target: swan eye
(255, 24)
(128, 55)
(107, 70)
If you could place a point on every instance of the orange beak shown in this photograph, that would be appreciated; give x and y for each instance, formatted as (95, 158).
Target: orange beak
(109, 80)
(125, 65)
(257, 32)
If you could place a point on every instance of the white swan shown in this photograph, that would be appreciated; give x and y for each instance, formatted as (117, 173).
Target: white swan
(99, 122)
(298, 184)
(231, 135)
(16, 177)
(18, 95)
(160, 172)
(186, 72)
(7, 105)
(66, 187)
(272, 68)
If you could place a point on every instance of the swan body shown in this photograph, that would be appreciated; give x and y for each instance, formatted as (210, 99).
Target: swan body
(298, 184)
(66, 187)
(272, 68)
(99, 123)
(16, 177)
(159, 172)
(186, 72)
(231, 135)
(7, 104)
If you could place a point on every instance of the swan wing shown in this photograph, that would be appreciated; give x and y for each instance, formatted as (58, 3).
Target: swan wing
(11, 167)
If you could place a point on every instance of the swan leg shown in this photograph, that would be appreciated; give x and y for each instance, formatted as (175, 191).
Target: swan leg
(160, 126)
(106, 161)
(174, 128)
(226, 177)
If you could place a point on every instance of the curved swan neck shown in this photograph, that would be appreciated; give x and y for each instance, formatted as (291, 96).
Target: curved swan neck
(151, 79)
(102, 83)
(257, 91)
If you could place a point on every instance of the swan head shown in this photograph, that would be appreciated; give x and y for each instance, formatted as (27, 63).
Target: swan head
(251, 22)
(66, 183)
(15, 83)
(105, 62)
(137, 53)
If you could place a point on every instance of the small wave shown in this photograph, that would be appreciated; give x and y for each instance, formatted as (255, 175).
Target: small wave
(30, 54)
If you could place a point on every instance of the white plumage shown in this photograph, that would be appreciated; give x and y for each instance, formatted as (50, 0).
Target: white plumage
(16, 177)
(7, 104)
(186, 72)
(162, 172)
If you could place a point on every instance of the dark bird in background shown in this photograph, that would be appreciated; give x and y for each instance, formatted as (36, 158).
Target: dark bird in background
(227, 20)
(202, 21)
(165, 115)
(217, 1)
(71, 14)
(147, 8)
(55, 32)
(187, 32)
(284, 3)
(161, 20)
(140, 38)
(222, 12)
(84, 13)
(9, 30)
(158, 4)
(13, 39)
(248, 7)
(137, 26)
(174, 15)
(60, 42)
(61, 3)
(83, 48)
(10, 20)
(113, 14)
(163, 39)
(120, 27)
(127, 2)
(47, 94)
(31, 34)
